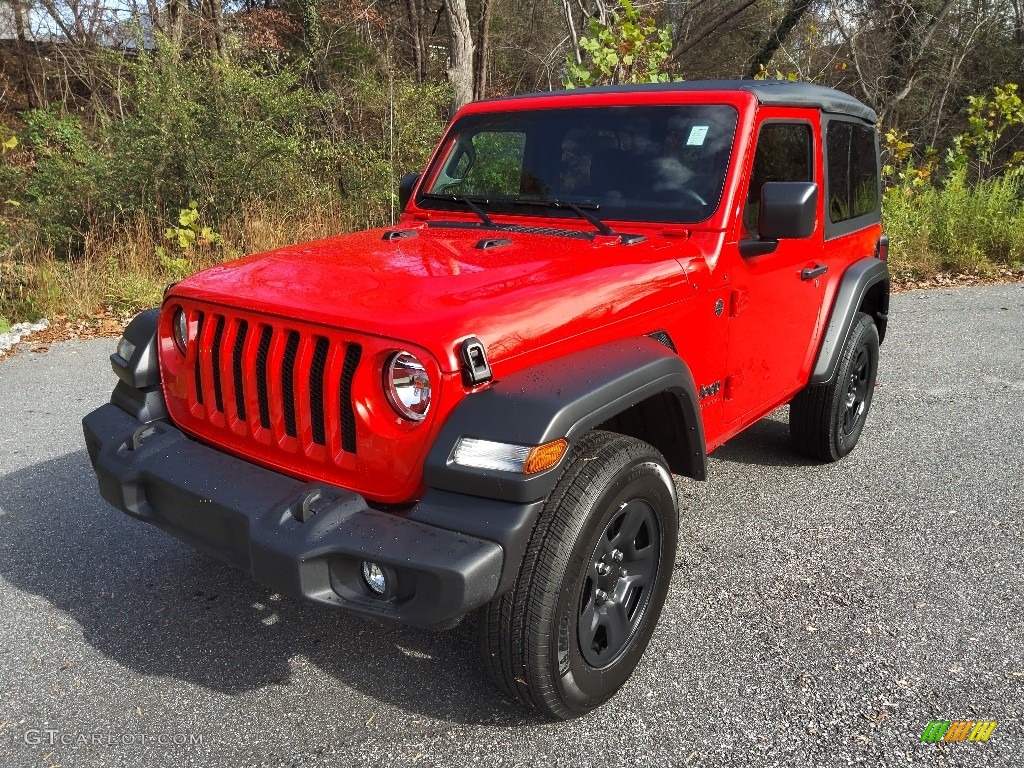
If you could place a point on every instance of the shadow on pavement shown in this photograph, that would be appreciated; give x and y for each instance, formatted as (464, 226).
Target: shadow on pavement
(157, 607)
(766, 444)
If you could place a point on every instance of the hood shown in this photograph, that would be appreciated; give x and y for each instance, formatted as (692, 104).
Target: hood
(439, 287)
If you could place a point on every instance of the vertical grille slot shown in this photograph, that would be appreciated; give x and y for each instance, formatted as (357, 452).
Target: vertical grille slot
(218, 334)
(199, 352)
(348, 416)
(261, 376)
(316, 389)
(288, 382)
(236, 368)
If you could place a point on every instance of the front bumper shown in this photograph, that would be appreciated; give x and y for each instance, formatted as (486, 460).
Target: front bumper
(273, 527)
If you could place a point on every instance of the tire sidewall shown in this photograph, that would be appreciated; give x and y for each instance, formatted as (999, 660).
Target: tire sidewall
(580, 686)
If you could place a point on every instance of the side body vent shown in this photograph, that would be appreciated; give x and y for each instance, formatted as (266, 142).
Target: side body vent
(663, 338)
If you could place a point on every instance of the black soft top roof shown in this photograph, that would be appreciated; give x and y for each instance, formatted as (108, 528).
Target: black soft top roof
(773, 92)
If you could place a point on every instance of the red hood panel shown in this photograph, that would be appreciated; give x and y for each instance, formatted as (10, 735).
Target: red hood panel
(439, 287)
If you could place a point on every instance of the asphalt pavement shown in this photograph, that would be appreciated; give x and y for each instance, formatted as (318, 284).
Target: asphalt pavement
(818, 616)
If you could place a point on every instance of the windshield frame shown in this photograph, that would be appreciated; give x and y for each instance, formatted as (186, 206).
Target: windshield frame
(475, 119)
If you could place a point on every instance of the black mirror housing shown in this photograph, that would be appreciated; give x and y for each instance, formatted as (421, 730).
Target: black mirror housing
(405, 187)
(788, 209)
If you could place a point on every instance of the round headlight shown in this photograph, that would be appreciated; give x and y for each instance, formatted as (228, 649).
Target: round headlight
(180, 330)
(407, 386)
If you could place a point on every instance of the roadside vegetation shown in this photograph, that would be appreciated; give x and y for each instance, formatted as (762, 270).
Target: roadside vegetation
(138, 149)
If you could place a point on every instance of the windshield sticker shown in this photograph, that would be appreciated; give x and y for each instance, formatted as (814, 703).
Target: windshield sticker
(697, 134)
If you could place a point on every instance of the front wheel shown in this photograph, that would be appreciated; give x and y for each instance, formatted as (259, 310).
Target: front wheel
(592, 582)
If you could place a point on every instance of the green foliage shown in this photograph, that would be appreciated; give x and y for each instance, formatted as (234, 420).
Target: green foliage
(194, 129)
(224, 133)
(989, 118)
(965, 212)
(376, 152)
(628, 49)
(64, 185)
(189, 235)
(5, 326)
(956, 226)
(189, 232)
(764, 74)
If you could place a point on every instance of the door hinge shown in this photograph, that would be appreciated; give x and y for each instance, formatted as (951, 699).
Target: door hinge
(738, 301)
(732, 383)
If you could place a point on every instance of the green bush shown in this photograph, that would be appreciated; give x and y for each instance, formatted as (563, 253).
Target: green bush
(373, 160)
(955, 226)
(224, 134)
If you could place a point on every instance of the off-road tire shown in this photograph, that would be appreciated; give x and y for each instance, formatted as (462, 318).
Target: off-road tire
(826, 420)
(530, 637)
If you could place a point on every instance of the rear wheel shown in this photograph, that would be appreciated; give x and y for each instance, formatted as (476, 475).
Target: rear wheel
(592, 583)
(826, 420)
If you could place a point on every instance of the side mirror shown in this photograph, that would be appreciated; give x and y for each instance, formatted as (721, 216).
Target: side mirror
(405, 187)
(789, 209)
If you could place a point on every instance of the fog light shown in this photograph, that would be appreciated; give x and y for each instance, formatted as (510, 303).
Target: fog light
(374, 577)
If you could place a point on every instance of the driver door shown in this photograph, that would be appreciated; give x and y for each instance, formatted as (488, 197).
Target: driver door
(774, 303)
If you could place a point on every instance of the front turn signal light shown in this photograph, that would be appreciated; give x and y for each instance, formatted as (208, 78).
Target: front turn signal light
(509, 457)
(545, 456)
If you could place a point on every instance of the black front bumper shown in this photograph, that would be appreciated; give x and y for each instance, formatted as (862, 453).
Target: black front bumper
(251, 517)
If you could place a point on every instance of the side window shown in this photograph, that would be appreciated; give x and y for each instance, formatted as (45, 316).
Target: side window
(784, 153)
(852, 171)
(491, 164)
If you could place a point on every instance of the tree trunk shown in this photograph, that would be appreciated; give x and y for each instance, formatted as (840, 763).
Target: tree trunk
(313, 31)
(460, 51)
(483, 50)
(23, 59)
(216, 42)
(176, 10)
(797, 8)
(418, 30)
(570, 25)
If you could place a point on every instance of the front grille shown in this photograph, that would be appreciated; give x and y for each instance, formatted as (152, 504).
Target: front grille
(275, 382)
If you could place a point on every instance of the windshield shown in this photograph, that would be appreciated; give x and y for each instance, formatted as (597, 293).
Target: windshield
(636, 163)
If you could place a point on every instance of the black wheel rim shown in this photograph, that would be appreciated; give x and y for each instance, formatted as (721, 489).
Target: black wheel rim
(857, 391)
(618, 583)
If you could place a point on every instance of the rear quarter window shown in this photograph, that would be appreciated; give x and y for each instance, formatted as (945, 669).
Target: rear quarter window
(851, 176)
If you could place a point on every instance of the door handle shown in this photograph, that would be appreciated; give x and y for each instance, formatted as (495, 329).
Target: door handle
(809, 273)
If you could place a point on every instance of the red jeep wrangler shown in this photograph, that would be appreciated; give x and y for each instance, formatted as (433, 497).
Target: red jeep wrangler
(482, 406)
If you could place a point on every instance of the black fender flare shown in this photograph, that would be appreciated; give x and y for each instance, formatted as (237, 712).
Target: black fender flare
(859, 278)
(564, 398)
(139, 392)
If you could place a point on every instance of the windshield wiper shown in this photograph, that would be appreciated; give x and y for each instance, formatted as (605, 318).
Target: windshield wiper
(580, 209)
(471, 203)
